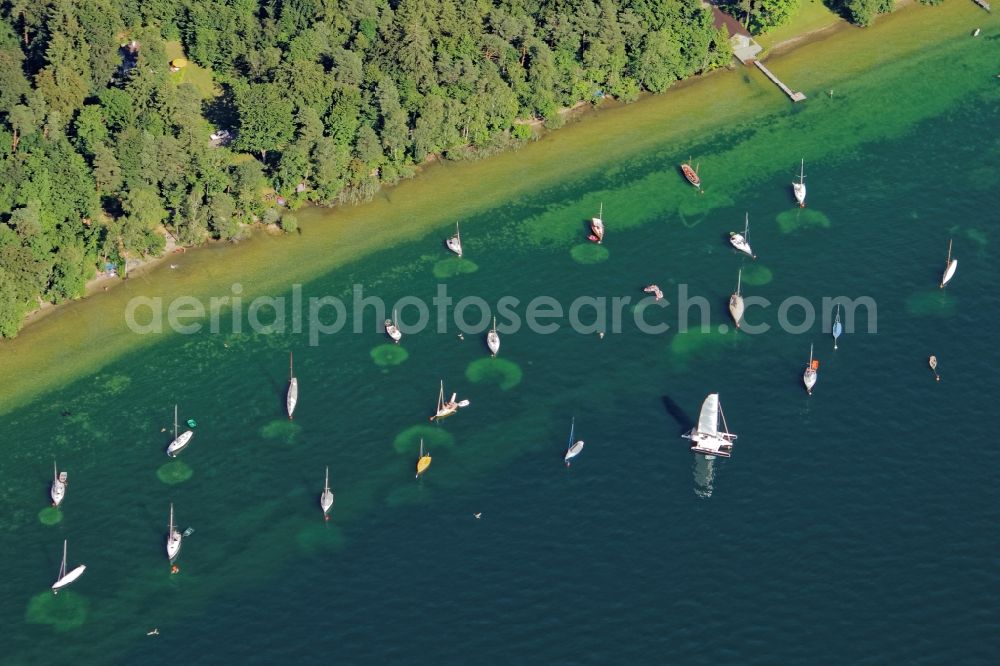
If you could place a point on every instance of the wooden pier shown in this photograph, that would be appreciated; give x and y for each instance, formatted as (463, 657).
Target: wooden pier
(795, 96)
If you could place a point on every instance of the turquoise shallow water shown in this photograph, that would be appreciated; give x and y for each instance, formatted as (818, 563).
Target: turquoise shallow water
(858, 525)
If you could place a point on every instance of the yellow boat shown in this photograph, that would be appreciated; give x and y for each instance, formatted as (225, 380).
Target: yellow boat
(424, 461)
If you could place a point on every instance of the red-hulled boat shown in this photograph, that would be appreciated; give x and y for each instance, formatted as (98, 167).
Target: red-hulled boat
(691, 174)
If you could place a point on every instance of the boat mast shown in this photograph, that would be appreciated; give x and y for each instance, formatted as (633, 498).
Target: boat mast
(170, 527)
(62, 568)
(326, 484)
(572, 425)
(746, 229)
(441, 396)
(494, 325)
(802, 171)
(291, 371)
(810, 356)
(55, 471)
(722, 417)
(739, 281)
(175, 420)
(947, 262)
(421, 447)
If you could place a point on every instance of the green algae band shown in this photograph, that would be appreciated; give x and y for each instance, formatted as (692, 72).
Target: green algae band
(174, 472)
(408, 441)
(64, 611)
(801, 218)
(589, 253)
(756, 275)
(388, 355)
(453, 266)
(281, 429)
(501, 372)
(49, 515)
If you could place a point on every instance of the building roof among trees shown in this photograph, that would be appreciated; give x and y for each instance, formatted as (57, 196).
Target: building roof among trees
(720, 18)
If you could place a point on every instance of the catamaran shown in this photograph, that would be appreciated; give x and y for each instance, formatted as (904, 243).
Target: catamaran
(292, 398)
(326, 499)
(180, 442)
(58, 491)
(492, 339)
(706, 438)
(799, 188)
(572, 448)
(811, 372)
(950, 266)
(597, 226)
(392, 329)
(691, 174)
(447, 408)
(455, 242)
(174, 538)
(741, 241)
(66, 578)
(736, 301)
(424, 461)
(838, 328)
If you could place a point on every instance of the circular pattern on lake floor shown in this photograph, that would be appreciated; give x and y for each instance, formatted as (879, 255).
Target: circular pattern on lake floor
(408, 441)
(64, 611)
(589, 253)
(930, 303)
(285, 429)
(322, 537)
(756, 275)
(801, 218)
(49, 516)
(505, 374)
(453, 266)
(174, 472)
(388, 355)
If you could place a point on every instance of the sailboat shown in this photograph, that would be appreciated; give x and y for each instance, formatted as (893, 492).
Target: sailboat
(933, 362)
(449, 407)
(799, 188)
(706, 438)
(950, 266)
(66, 578)
(572, 448)
(838, 328)
(811, 372)
(58, 491)
(292, 398)
(741, 241)
(326, 499)
(180, 441)
(492, 339)
(597, 226)
(424, 461)
(691, 174)
(392, 330)
(455, 242)
(174, 538)
(736, 301)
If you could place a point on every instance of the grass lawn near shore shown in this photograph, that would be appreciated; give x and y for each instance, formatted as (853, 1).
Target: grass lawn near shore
(813, 15)
(191, 73)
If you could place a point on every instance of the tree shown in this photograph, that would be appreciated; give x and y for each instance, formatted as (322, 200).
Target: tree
(265, 117)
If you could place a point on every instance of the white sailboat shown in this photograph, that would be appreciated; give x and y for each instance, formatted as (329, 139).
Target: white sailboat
(706, 438)
(58, 491)
(292, 398)
(455, 242)
(64, 577)
(838, 328)
(492, 339)
(950, 266)
(449, 407)
(424, 460)
(573, 449)
(181, 441)
(736, 301)
(174, 538)
(326, 499)
(741, 241)
(799, 188)
(811, 372)
(597, 226)
(392, 330)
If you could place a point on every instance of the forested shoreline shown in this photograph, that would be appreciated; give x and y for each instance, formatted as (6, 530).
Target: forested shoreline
(110, 109)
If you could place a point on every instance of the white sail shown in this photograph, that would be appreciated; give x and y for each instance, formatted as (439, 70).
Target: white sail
(800, 187)
(455, 242)
(326, 499)
(292, 398)
(173, 538)
(708, 420)
(736, 305)
(65, 578)
(179, 442)
(951, 265)
(742, 241)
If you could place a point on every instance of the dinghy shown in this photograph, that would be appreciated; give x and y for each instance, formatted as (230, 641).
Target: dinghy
(292, 397)
(799, 188)
(811, 372)
(58, 491)
(455, 242)
(423, 461)
(180, 441)
(572, 448)
(492, 339)
(174, 538)
(326, 498)
(736, 301)
(741, 241)
(449, 407)
(838, 328)
(691, 174)
(706, 438)
(64, 577)
(655, 291)
(950, 266)
(392, 330)
(597, 226)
